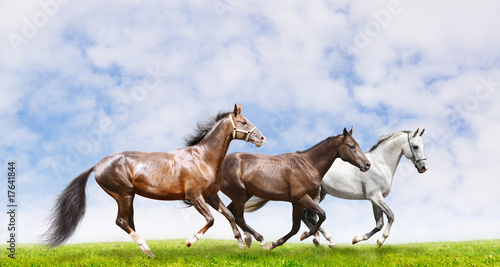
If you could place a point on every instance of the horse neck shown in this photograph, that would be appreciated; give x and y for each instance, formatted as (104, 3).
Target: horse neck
(216, 143)
(391, 152)
(322, 156)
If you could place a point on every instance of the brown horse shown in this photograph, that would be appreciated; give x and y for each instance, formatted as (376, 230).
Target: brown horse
(293, 177)
(191, 173)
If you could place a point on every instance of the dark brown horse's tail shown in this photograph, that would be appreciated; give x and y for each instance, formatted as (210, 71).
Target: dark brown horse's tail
(68, 211)
(254, 204)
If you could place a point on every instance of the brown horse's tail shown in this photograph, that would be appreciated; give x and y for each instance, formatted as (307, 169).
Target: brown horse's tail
(255, 204)
(68, 211)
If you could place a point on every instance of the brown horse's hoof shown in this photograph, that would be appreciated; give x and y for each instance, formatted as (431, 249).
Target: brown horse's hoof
(267, 246)
(304, 235)
(241, 245)
(149, 254)
(248, 239)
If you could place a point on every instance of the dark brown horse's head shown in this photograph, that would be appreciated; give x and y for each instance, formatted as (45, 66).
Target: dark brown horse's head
(349, 151)
(243, 129)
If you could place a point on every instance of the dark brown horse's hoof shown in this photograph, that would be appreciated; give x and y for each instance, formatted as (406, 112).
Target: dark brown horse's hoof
(248, 239)
(304, 235)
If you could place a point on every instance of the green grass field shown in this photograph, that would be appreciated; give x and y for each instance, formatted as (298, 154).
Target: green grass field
(208, 252)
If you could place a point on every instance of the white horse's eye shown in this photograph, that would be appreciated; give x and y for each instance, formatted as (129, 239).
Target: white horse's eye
(415, 147)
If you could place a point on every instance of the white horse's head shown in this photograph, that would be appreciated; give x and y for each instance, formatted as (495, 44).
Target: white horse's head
(414, 151)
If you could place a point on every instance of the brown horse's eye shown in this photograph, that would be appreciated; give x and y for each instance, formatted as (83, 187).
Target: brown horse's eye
(244, 122)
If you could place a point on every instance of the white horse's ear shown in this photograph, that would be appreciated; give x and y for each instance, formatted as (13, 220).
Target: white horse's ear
(422, 132)
(416, 132)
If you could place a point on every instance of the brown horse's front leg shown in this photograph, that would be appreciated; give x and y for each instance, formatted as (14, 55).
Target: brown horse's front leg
(202, 207)
(216, 203)
(309, 204)
(296, 217)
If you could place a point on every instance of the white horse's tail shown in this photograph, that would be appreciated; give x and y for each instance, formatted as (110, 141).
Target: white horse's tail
(255, 203)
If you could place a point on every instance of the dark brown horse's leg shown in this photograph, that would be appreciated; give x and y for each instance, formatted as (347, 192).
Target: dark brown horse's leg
(309, 219)
(309, 204)
(237, 207)
(202, 207)
(217, 204)
(296, 218)
(123, 221)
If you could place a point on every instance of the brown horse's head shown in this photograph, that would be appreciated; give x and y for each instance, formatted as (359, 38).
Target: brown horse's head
(243, 129)
(349, 151)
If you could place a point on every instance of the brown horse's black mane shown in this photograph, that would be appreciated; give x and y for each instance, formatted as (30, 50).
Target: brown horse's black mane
(203, 127)
(386, 138)
(316, 145)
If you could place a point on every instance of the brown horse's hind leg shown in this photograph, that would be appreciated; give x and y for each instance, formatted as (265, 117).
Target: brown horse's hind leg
(238, 208)
(123, 220)
(202, 207)
(217, 204)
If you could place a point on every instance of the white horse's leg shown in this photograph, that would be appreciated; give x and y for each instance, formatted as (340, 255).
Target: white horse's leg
(379, 220)
(142, 244)
(379, 206)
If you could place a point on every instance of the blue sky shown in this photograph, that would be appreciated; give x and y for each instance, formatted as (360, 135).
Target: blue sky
(79, 81)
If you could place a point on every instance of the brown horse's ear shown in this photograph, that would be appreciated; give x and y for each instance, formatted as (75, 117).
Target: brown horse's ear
(345, 133)
(421, 133)
(235, 111)
(416, 132)
(350, 132)
(239, 109)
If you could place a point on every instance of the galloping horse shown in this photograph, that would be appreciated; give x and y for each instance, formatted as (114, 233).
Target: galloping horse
(293, 177)
(344, 181)
(190, 173)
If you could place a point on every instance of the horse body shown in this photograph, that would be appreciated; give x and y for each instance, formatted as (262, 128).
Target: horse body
(292, 177)
(279, 177)
(344, 181)
(190, 173)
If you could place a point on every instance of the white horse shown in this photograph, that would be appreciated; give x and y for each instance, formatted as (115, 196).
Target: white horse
(346, 181)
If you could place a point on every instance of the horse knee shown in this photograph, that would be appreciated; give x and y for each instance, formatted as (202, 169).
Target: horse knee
(390, 218)
(321, 215)
(210, 221)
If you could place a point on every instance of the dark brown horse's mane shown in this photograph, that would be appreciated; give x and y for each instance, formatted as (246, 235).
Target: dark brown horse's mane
(386, 138)
(316, 145)
(203, 127)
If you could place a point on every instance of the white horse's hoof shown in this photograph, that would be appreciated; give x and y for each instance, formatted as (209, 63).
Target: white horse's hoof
(380, 242)
(332, 245)
(248, 239)
(304, 235)
(357, 239)
(267, 246)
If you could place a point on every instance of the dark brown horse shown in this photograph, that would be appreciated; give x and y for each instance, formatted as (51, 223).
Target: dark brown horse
(293, 177)
(191, 173)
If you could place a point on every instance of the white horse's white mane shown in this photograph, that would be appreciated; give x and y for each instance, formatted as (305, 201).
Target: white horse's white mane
(383, 139)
